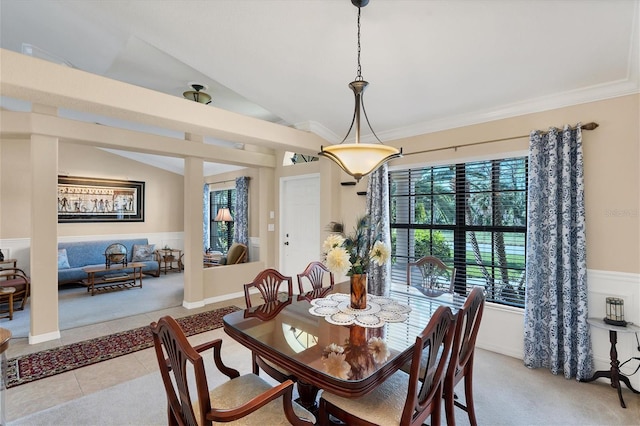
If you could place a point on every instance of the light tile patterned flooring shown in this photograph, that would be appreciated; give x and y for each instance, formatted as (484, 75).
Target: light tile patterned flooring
(41, 394)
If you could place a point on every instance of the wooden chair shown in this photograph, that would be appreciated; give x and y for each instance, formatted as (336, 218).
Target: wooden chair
(16, 278)
(461, 363)
(314, 273)
(402, 399)
(269, 283)
(245, 397)
(437, 278)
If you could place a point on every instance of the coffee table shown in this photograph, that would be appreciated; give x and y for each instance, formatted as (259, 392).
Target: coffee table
(118, 277)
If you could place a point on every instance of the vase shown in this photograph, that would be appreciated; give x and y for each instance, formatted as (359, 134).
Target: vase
(358, 291)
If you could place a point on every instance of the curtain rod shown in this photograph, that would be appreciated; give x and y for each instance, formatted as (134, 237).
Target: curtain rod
(587, 126)
(227, 181)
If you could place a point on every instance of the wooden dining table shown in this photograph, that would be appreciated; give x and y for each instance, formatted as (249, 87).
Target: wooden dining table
(290, 336)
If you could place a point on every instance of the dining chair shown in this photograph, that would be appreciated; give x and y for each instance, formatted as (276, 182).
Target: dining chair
(314, 273)
(246, 398)
(461, 362)
(402, 399)
(270, 284)
(437, 278)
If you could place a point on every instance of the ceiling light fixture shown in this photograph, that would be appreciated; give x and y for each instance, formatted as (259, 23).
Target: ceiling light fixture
(359, 159)
(196, 94)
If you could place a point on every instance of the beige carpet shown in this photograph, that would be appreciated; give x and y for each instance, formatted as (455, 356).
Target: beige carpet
(506, 393)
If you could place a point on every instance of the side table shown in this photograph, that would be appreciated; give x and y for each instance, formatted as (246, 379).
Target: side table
(614, 373)
(167, 257)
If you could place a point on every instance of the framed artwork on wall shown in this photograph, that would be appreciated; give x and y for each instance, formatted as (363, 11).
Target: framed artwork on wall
(82, 199)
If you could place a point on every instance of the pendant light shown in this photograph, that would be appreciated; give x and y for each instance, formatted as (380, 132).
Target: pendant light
(359, 159)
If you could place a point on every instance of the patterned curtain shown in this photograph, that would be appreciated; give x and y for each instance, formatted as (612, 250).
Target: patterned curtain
(241, 220)
(206, 218)
(378, 212)
(556, 333)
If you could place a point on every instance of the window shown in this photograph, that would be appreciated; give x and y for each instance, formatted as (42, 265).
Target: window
(472, 216)
(221, 233)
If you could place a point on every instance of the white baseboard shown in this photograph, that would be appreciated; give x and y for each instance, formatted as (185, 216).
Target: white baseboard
(44, 337)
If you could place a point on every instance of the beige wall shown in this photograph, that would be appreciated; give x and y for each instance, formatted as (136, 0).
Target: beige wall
(164, 211)
(612, 176)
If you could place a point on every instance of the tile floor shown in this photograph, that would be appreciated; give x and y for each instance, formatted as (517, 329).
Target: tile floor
(41, 394)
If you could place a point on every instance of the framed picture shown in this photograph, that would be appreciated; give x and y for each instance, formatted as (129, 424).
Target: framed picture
(83, 199)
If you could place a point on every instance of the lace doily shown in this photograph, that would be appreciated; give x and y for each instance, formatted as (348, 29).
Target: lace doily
(336, 309)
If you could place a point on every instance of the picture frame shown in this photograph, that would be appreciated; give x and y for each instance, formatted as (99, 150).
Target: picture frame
(83, 199)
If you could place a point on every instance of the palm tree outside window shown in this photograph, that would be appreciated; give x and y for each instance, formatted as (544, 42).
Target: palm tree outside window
(221, 231)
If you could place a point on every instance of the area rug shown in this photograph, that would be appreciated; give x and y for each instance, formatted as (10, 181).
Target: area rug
(38, 365)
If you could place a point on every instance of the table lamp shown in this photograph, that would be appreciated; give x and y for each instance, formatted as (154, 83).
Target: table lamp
(615, 312)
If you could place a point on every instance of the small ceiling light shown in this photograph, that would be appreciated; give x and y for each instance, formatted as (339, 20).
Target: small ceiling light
(359, 159)
(196, 94)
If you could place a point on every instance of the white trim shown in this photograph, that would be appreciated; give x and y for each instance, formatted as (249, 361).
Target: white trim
(192, 305)
(222, 298)
(43, 337)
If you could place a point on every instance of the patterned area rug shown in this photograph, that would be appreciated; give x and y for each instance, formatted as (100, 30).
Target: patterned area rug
(38, 365)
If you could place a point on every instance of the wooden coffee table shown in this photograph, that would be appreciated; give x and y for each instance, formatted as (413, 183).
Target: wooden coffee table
(115, 279)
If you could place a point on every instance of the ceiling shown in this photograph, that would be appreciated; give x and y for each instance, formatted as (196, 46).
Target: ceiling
(431, 65)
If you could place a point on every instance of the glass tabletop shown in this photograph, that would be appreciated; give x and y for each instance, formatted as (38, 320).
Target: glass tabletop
(288, 334)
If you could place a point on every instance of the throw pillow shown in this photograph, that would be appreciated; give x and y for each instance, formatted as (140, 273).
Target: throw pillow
(143, 252)
(63, 260)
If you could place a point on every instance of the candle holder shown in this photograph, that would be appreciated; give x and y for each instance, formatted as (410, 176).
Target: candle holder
(615, 312)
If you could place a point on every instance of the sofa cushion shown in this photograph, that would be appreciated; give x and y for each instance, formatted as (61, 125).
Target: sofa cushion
(63, 260)
(143, 252)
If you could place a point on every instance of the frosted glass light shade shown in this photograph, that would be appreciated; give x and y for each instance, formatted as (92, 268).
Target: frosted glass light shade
(360, 159)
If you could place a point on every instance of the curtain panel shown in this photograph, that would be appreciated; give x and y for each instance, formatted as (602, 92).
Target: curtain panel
(377, 211)
(206, 217)
(241, 221)
(556, 332)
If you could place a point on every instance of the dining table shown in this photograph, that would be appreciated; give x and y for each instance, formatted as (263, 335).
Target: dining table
(327, 345)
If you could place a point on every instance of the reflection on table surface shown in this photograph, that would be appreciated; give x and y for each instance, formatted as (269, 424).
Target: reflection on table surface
(286, 333)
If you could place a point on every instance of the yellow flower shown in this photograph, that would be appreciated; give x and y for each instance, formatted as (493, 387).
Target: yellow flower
(380, 253)
(332, 241)
(378, 348)
(336, 365)
(338, 261)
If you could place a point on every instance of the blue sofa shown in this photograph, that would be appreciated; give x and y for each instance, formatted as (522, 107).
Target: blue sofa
(91, 253)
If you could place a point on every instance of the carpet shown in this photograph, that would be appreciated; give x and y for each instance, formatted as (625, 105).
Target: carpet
(38, 365)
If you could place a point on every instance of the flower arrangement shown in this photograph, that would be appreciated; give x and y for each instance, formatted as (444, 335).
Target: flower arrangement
(351, 254)
(357, 358)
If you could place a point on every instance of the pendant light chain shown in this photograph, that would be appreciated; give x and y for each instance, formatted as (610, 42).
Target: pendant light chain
(359, 75)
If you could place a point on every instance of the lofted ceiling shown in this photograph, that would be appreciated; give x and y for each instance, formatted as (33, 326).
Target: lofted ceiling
(431, 65)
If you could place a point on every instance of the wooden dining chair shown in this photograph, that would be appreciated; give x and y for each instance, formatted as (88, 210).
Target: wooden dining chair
(402, 399)
(272, 285)
(314, 273)
(437, 278)
(247, 398)
(461, 362)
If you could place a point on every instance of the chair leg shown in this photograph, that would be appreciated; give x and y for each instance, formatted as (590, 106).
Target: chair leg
(256, 369)
(468, 393)
(449, 406)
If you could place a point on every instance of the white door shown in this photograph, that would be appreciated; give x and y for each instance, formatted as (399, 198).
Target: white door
(299, 223)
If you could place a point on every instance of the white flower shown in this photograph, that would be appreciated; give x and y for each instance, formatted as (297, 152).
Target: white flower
(336, 365)
(332, 241)
(338, 261)
(380, 253)
(378, 348)
(334, 348)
